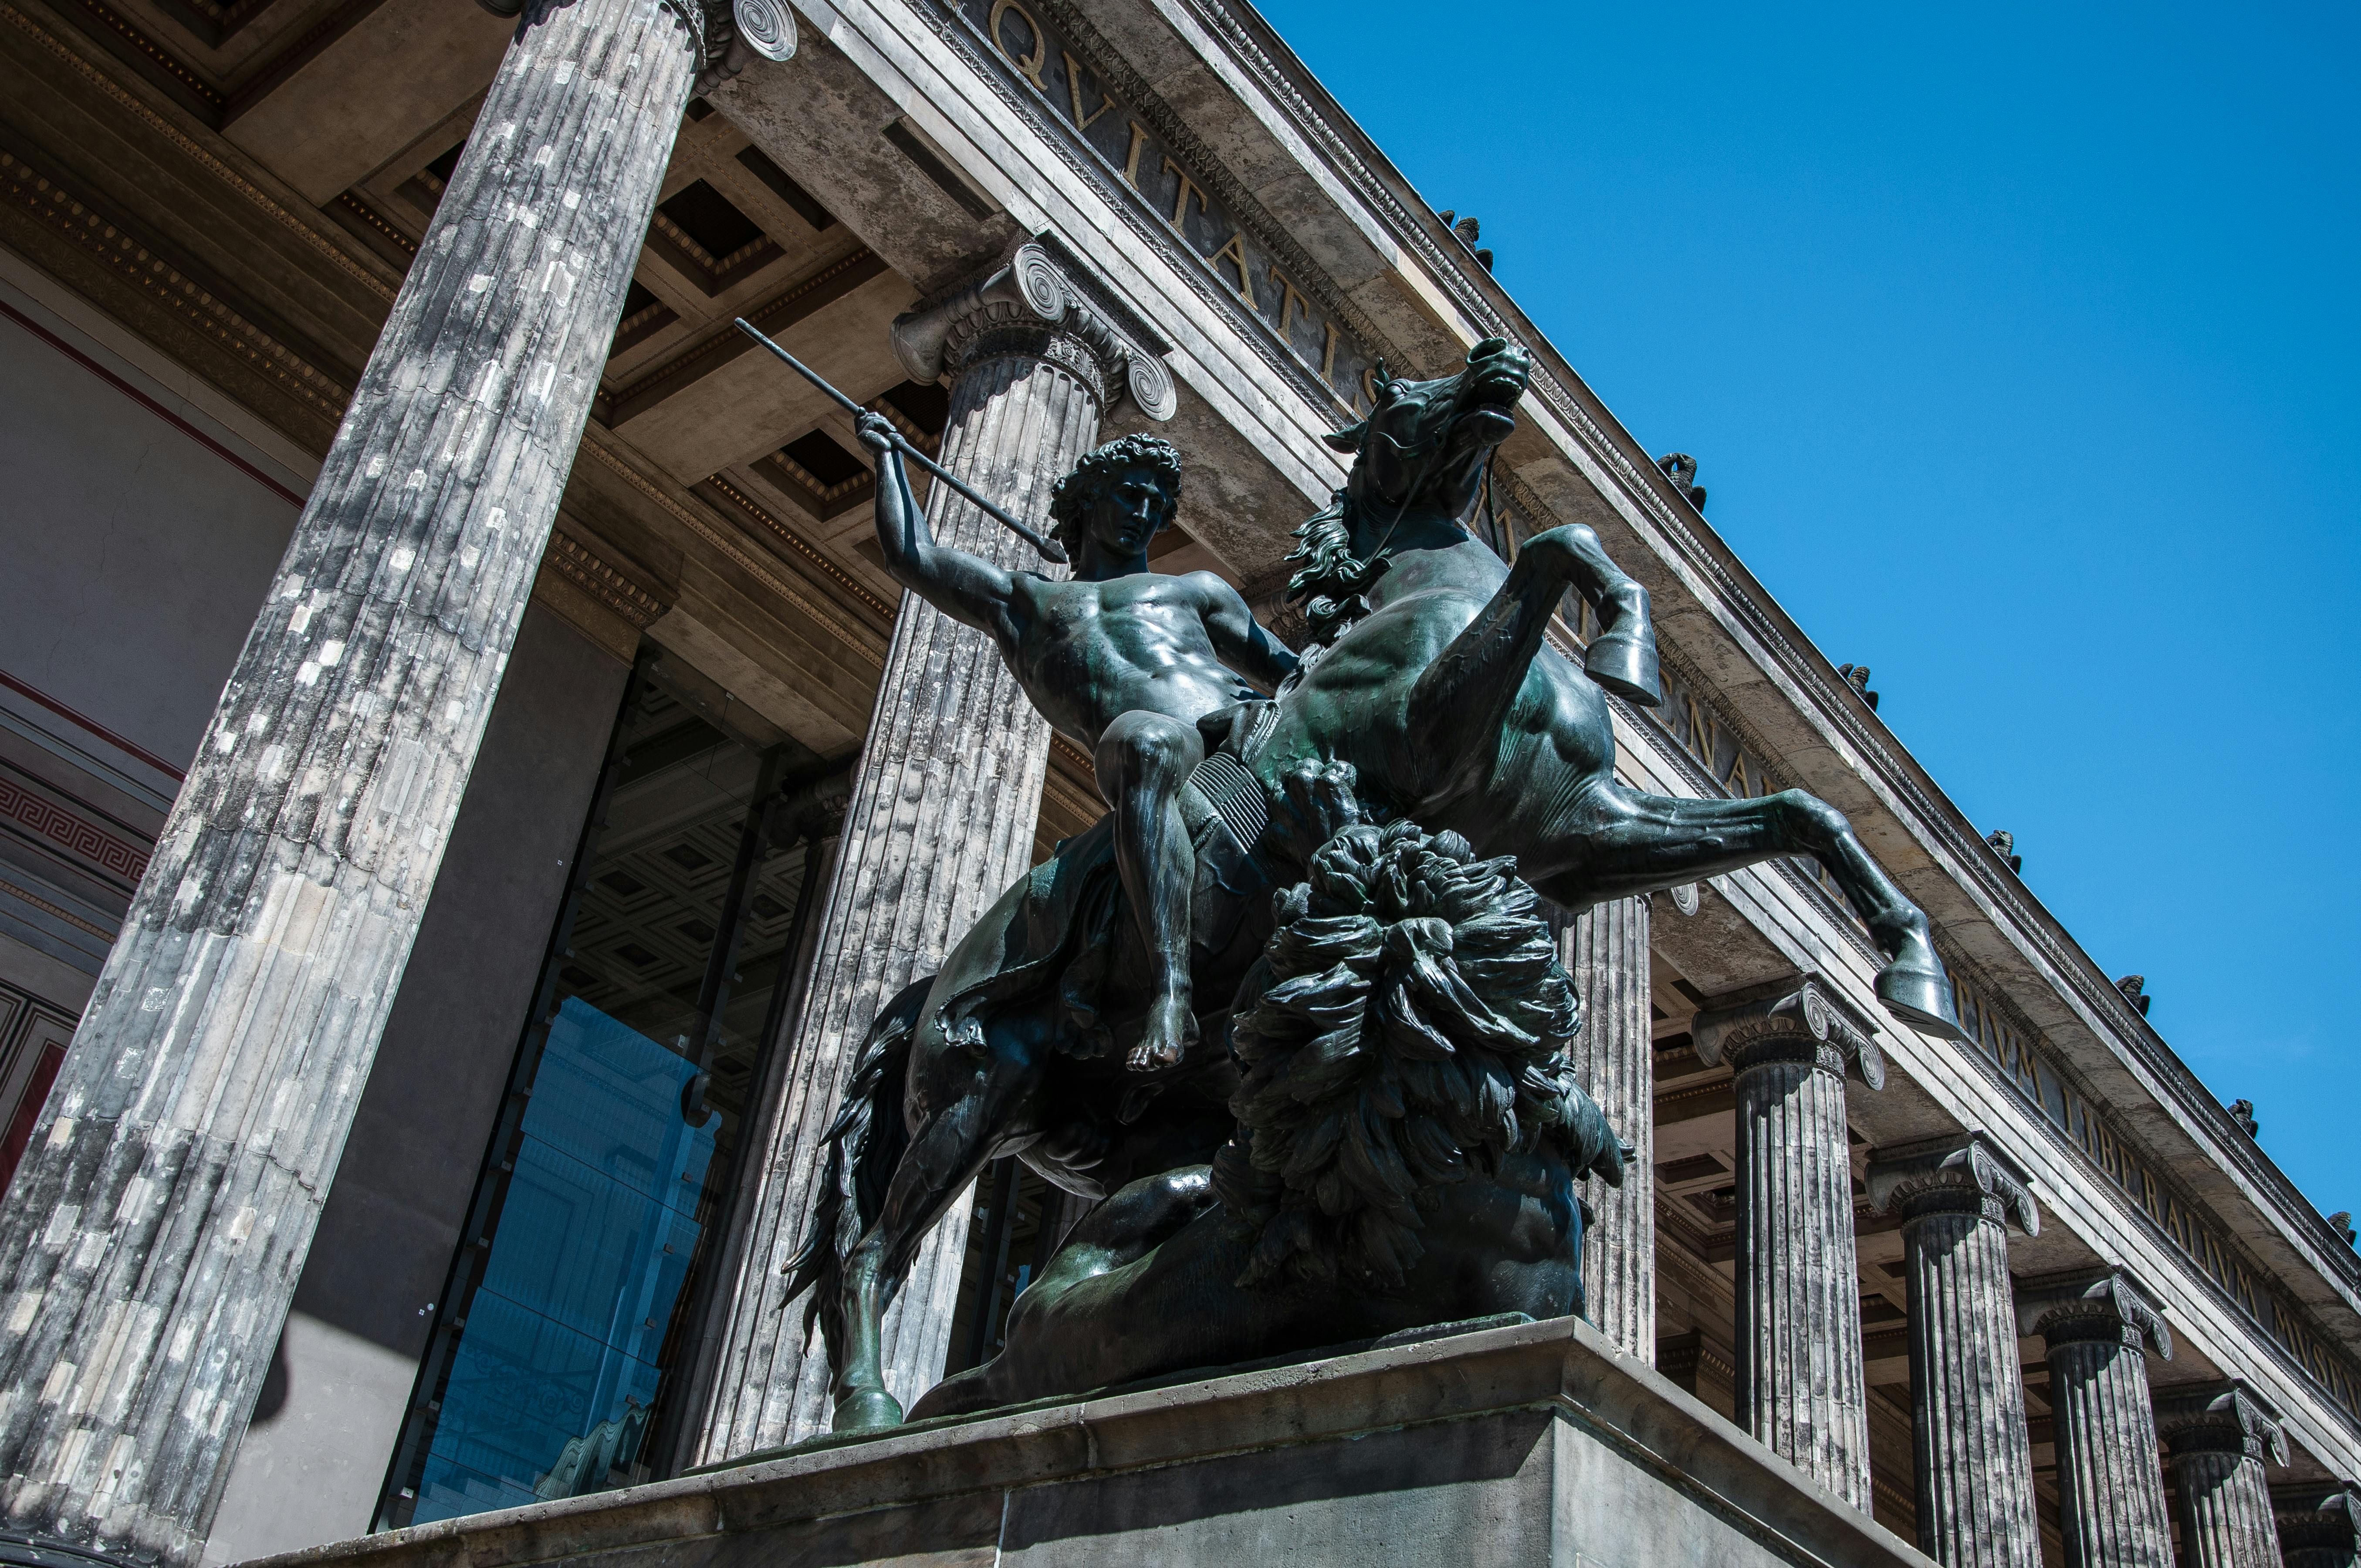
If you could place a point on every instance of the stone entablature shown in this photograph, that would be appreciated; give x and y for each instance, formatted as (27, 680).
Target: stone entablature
(1143, 162)
(2208, 1245)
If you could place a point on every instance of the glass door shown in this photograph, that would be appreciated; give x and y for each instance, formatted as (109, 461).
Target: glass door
(560, 1342)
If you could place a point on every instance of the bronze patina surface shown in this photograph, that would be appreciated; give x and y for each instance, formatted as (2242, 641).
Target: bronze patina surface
(1357, 856)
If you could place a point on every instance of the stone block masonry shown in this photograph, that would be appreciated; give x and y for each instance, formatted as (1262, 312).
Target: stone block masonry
(1531, 1445)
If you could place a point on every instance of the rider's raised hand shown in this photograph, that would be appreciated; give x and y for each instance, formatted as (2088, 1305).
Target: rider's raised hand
(876, 432)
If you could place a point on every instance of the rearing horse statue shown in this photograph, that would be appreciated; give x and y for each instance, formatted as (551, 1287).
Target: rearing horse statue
(1446, 699)
(1435, 690)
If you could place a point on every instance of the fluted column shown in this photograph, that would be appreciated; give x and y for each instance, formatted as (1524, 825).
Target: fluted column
(2319, 1524)
(1800, 1386)
(1971, 1459)
(2219, 1437)
(2096, 1327)
(1606, 951)
(160, 1218)
(941, 816)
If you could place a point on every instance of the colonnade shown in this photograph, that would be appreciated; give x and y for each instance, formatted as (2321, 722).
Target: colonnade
(171, 1190)
(1800, 1384)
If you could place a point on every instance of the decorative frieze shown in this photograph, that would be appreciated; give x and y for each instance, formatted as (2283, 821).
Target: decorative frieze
(1800, 1386)
(2219, 1437)
(1137, 151)
(580, 564)
(2158, 1198)
(1971, 1459)
(2097, 1328)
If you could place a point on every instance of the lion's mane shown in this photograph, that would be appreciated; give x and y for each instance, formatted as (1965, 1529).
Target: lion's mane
(1410, 1029)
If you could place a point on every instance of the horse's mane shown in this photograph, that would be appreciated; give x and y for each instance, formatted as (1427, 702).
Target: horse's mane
(1405, 1029)
(1334, 581)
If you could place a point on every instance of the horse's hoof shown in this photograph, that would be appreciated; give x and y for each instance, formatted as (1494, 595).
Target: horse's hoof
(866, 1410)
(1625, 665)
(1921, 999)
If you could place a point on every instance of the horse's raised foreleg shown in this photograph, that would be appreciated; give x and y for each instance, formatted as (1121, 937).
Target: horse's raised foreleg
(1639, 843)
(1462, 699)
(947, 1149)
(1623, 657)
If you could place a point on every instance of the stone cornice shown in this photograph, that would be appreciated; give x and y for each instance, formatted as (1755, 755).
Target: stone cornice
(310, 399)
(583, 566)
(1952, 1174)
(1130, 206)
(707, 526)
(368, 277)
(2083, 1305)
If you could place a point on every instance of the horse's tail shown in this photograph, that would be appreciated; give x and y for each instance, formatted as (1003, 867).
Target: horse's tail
(864, 1144)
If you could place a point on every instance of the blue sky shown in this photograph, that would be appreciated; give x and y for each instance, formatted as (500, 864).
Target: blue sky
(2018, 349)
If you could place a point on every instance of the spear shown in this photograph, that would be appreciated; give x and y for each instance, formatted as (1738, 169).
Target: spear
(1049, 548)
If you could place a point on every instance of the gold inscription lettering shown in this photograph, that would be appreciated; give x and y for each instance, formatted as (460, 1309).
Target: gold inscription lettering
(1188, 187)
(1075, 94)
(1029, 64)
(1328, 357)
(1234, 253)
(1292, 305)
(1131, 158)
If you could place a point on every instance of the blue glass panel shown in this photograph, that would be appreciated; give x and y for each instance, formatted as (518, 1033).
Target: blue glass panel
(556, 1364)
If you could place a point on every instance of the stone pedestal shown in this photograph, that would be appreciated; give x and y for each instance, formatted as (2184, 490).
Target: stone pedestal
(2219, 1437)
(941, 816)
(1527, 1445)
(2319, 1525)
(1971, 1457)
(1606, 951)
(155, 1231)
(1800, 1386)
(2109, 1473)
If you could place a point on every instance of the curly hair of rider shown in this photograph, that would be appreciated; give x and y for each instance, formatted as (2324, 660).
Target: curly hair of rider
(1071, 498)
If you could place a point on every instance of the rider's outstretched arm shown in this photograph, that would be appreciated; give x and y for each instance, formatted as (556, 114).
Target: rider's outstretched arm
(964, 587)
(1240, 639)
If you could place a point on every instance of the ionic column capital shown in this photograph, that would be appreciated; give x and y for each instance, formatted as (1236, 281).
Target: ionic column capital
(1040, 304)
(2323, 1516)
(1799, 1021)
(1956, 1173)
(2220, 1418)
(722, 36)
(2105, 1304)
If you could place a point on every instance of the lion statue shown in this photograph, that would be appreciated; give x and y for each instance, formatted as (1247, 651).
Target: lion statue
(1410, 1136)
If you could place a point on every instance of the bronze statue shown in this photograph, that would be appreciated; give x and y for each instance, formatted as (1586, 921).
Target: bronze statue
(1430, 697)
(1122, 660)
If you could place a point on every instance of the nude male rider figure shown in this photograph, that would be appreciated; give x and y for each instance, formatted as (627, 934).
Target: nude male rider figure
(1121, 658)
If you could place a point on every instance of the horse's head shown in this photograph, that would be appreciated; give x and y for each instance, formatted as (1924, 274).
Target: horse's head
(1424, 443)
